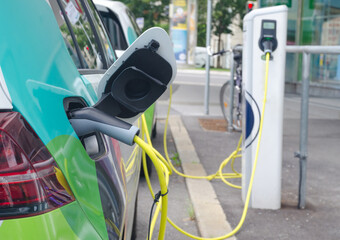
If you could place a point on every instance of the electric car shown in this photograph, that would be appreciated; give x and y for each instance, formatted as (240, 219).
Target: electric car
(123, 31)
(67, 106)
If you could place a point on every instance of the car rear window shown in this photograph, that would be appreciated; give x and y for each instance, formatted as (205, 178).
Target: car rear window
(65, 32)
(83, 33)
(104, 39)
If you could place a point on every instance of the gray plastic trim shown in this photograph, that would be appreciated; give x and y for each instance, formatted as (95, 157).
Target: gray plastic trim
(85, 126)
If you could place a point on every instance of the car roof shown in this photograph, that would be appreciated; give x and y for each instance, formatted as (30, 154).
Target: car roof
(115, 6)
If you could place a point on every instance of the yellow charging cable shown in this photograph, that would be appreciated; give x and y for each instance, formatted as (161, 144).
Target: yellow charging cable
(160, 168)
(163, 177)
(165, 168)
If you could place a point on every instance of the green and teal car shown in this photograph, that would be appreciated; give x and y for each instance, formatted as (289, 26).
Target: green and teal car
(68, 113)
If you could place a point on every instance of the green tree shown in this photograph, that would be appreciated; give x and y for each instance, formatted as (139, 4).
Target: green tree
(220, 15)
(201, 22)
(223, 14)
(155, 12)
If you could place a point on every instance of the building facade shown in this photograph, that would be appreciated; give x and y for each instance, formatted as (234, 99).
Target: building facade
(312, 22)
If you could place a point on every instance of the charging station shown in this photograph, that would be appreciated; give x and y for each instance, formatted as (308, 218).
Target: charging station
(262, 29)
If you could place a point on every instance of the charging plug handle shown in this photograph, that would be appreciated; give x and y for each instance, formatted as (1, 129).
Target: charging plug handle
(267, 46)
(88, 120)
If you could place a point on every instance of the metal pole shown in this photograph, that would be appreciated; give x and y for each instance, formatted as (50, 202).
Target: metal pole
(314, 49)
(302, 155)
(207, 61)
(298, 37)
(231, 99)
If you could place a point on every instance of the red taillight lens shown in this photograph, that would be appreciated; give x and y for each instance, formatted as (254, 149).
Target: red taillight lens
(29, 181)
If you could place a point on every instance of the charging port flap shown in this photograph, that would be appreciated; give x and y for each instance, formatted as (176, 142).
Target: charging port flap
(139, 77)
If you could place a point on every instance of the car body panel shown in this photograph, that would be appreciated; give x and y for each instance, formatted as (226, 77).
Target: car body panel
(80, 171)
(91, 90)
(67, 222)
(131, 35)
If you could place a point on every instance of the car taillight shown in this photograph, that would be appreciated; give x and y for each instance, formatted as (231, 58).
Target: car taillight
(30, 180)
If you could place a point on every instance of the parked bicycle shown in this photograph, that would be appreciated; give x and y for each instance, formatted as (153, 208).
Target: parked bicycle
(233, 116)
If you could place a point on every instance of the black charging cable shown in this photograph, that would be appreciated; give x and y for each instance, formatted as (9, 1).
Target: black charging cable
(156, 200)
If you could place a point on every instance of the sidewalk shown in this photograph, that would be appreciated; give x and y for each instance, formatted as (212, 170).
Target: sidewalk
(321, 218)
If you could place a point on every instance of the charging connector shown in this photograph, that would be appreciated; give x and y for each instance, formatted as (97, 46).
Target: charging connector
(87, 120)
(267, 47)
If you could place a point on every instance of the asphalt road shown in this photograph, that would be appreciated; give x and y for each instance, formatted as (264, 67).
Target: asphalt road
(189, 93)
(198, 77)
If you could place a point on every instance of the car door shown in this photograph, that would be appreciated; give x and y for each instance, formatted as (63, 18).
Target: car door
(117, 174)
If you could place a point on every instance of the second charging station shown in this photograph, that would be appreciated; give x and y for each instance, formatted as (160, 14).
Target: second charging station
(263, 28)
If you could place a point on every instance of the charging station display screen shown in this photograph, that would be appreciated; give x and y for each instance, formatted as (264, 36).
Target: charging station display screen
(268, 25)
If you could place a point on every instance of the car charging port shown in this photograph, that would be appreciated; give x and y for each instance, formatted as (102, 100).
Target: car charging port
(92, 142)
(268, 41)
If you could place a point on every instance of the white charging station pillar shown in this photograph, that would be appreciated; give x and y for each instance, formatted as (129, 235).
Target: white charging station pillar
(266, 193)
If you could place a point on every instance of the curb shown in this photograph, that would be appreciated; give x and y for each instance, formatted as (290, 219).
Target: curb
(210, 217)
